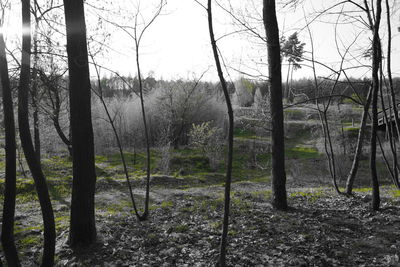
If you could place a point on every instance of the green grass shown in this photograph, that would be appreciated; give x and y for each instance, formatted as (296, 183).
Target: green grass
(362, 190)
(300, 152)
(167, 204)
(309, 196)
(395, 193)
(244, 133)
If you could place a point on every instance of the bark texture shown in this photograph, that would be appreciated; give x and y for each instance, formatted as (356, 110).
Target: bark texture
(376, 61)
(82, 224)
(279, 197)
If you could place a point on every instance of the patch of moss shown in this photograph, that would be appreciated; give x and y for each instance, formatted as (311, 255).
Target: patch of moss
(395, 193)
(186, 164)
(300, 152)
(309, 196)
(181, 228)
(362, 190)
(29, 241)
(167, 204)
(244, 133)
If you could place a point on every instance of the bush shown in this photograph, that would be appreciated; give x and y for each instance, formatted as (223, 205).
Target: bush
(209, 140)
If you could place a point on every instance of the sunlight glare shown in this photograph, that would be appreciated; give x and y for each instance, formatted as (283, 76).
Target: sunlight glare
(11, 30)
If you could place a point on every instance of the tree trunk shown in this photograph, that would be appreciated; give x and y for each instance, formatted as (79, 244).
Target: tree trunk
(147, 139)
(61, 134)
(227, 198)
(279, 198)
(27, 144)
(286, 94)
(35, 94)
(7, 230)
(36, 131)
(376, 61)
(82, 224)
(361, 134)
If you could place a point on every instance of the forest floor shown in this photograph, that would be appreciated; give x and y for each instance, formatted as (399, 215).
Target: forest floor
(320, 229)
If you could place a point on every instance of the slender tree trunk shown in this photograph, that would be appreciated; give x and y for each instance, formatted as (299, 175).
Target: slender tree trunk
(27, 144)
(279, 198)
(61, 134)
(36, 132)
(7, 230)
(286, 94)
(376, 61)
(82, 224)
(360, 140)
(117, 138)
(146, 134)
(227, 199)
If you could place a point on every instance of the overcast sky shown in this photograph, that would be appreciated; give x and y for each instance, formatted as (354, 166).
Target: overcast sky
(177, 44)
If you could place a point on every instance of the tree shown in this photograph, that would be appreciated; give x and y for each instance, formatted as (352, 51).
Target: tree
(279, 198)
(82, 222)
(26, 140)
(360, 139)
(227, 196)
(7, 230)
(376, 61)
(292, 50)
(136, 33)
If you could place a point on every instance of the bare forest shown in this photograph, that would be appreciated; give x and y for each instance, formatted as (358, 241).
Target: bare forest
(200, 133)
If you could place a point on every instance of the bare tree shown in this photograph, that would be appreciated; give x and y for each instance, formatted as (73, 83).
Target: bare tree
(7, 229)
(360, 139)
(227, 195)
(136, 32)
(26, 140)
(376, 61)
(111, 120)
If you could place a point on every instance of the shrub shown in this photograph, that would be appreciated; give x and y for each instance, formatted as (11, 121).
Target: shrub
(209, 140)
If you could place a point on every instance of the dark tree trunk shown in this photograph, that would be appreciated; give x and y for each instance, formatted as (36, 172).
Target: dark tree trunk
(7, 230)
(224, 236)
(279, 198)
(62, 136)
(82, 225)
(27, 144)
(376, 61)
(35, 95)
(360, 140)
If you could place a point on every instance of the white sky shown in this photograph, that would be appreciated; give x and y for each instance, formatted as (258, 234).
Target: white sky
(177, 44)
